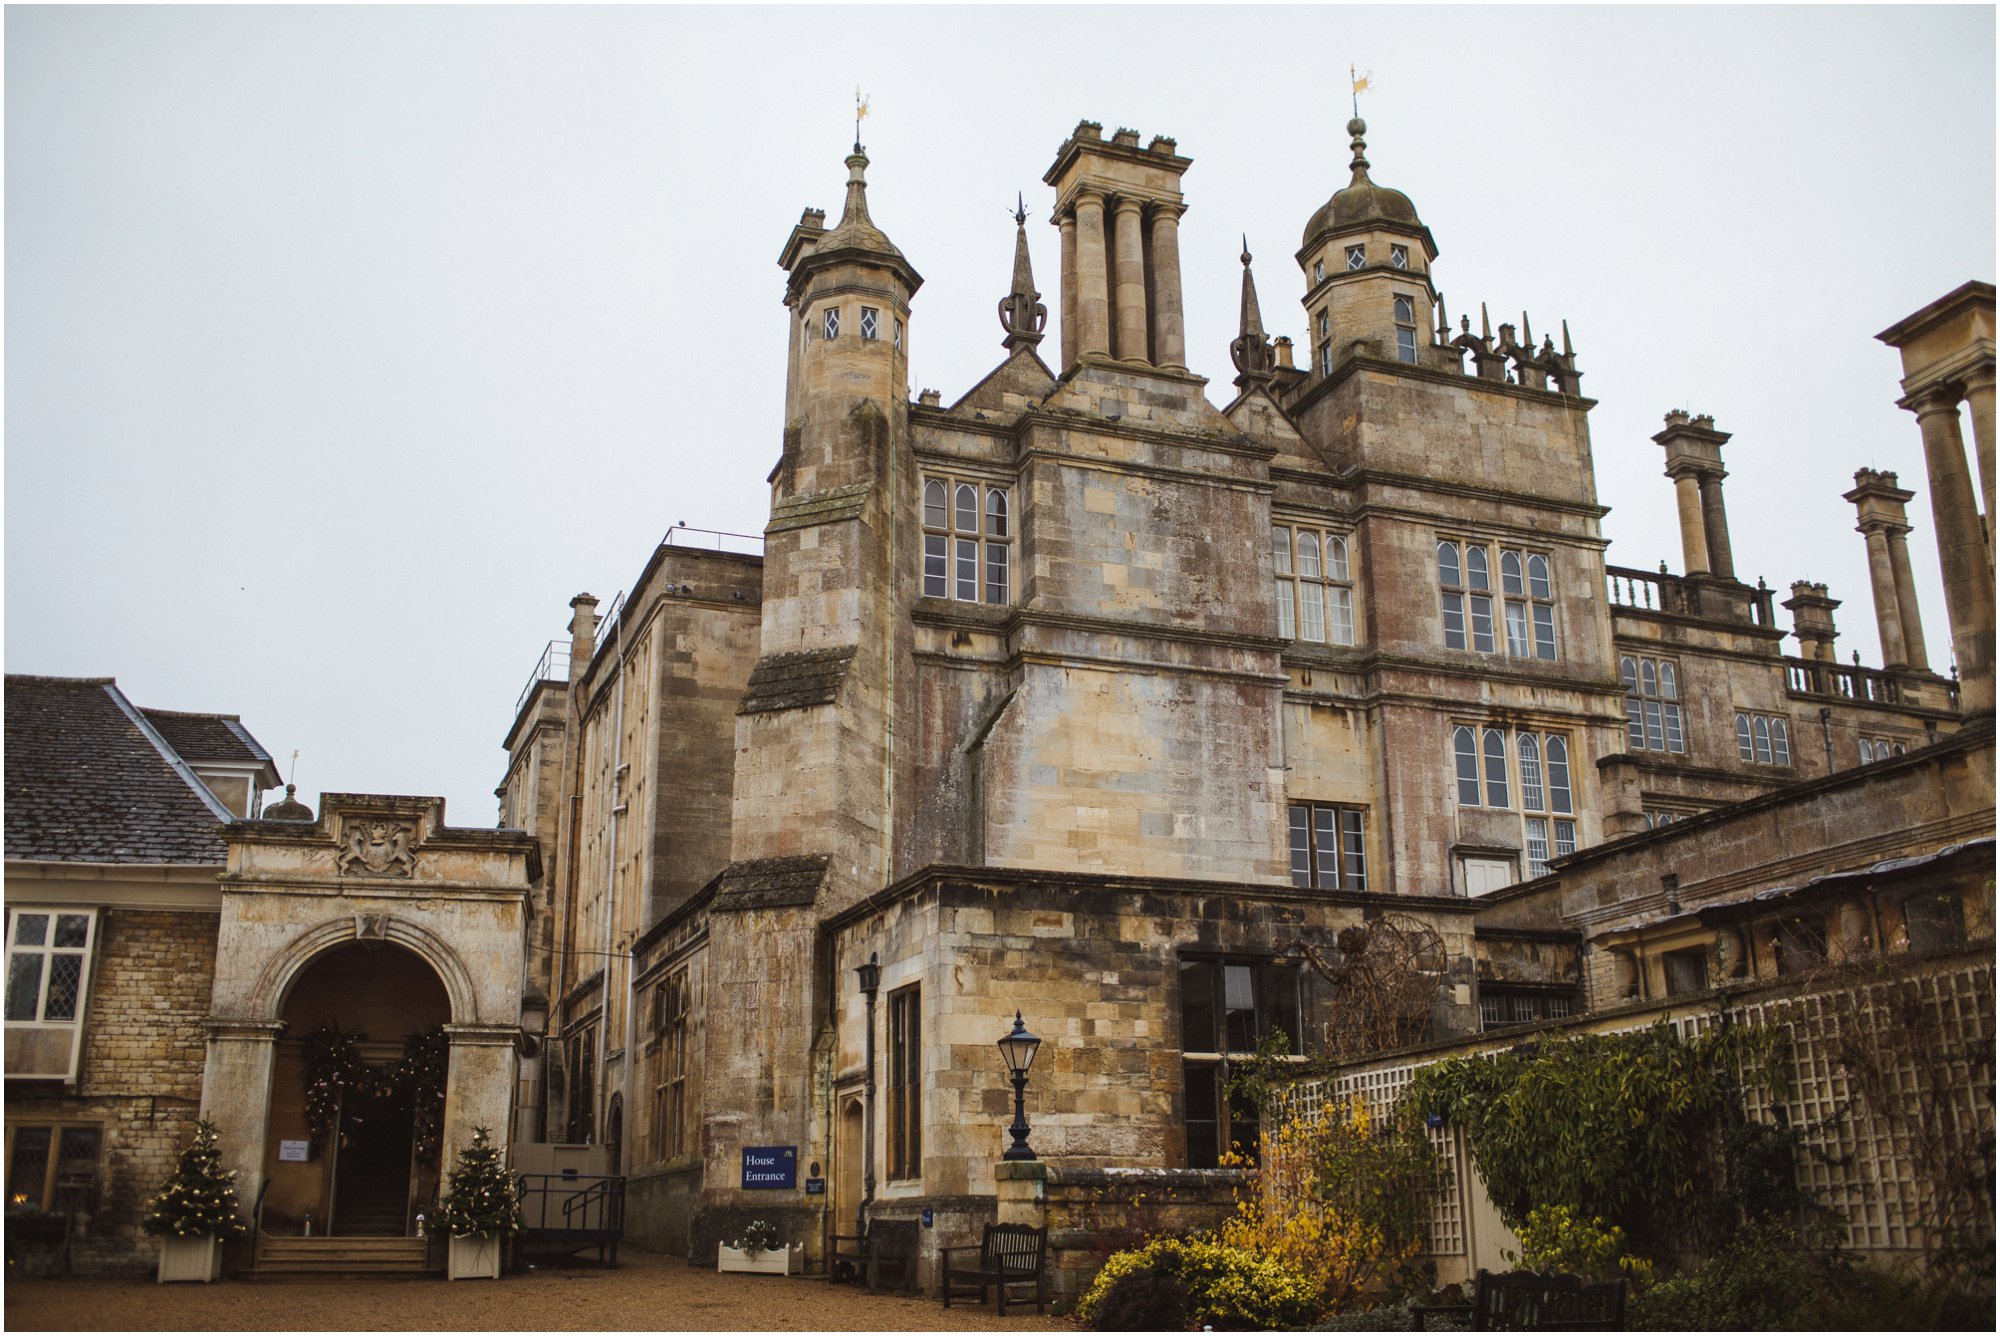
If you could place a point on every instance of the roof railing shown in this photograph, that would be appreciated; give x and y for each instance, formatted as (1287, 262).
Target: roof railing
(553, 666)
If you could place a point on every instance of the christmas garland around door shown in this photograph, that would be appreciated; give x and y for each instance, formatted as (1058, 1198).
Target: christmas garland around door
(340, 1087)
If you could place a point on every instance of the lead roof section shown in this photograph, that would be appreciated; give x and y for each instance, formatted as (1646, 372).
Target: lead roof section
(89, 779)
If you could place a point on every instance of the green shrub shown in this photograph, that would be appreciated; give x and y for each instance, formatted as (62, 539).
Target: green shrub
(1761, 1281)
(1226, 1287)
(1557, 1239)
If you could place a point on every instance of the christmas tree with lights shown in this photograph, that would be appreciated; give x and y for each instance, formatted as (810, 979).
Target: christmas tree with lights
(480, 1198)
(200, 1196)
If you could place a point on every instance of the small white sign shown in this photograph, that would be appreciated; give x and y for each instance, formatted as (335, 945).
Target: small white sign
(294, 1150)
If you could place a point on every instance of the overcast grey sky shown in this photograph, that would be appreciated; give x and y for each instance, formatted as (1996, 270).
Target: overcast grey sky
(345, 345)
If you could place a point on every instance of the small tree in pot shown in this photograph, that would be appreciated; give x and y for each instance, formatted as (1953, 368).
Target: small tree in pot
(478, 1210)
(196, 1211)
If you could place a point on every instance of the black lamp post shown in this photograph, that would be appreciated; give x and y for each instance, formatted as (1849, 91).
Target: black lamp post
(1017, 1050)
(870, 976)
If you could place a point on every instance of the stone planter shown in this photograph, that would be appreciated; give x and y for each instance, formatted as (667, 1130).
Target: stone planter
(764, 1262)
(198, 1257)
(473, 1257)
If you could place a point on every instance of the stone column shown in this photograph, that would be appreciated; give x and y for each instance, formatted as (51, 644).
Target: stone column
(1715, 522)
(1069, 330)
(1169, 332)
(1093, 293)
(1882, 583)
(1962, 550)
(236, 1096)
(1979, 396)
(479, 1087)
(1906, 601)
(1128, 273)
(1694, 542)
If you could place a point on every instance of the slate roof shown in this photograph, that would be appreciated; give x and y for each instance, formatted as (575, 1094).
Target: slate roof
(207, 737)
(772, 883)
(90, 780)
(803, 677)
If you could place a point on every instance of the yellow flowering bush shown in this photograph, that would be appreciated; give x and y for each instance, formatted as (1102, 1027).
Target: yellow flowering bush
(1227, 1287)
(1340, 1198)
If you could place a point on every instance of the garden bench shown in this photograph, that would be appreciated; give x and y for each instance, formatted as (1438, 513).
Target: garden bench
(884, 1246)
(1008, 1255)
(1525, 1301)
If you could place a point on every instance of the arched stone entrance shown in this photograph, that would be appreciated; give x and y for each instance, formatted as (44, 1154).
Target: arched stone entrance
(359, 1078)
(375, 918)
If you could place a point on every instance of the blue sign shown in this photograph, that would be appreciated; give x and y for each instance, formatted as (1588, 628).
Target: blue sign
(928, 1217)
(770, 1167)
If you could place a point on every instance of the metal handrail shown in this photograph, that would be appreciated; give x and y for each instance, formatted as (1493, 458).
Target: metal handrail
(682, 527)
(257, 1221)
(553, 666)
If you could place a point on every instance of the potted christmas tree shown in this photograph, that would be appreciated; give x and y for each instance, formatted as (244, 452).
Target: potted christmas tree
(195, 1212)
(477, 1211)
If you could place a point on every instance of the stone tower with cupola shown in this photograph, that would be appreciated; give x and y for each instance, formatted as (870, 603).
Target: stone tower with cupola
(1367, 260)
(816, 724)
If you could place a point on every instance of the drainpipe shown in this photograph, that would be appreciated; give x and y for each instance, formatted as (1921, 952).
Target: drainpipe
(870, 980)
(1826, 734)
(602, 1093)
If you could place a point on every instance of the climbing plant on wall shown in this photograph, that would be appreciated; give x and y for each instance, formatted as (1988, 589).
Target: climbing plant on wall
(1644, 1130)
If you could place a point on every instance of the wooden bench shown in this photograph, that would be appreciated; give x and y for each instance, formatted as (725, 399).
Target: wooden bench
(1009, 1255)
(886, 1246)
(1525, 1301)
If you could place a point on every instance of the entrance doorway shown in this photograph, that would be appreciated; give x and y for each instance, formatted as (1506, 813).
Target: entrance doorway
(847, 1182)
(357, 1095)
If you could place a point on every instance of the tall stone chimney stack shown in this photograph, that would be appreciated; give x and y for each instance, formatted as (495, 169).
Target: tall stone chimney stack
(1118, 207)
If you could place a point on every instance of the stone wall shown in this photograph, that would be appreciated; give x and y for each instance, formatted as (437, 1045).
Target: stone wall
(1093, 1213)
(139, 1081)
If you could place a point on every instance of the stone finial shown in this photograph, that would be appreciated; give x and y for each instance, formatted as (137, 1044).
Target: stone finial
(1022, 314)
(1250, 349)
(1356, 128)
(288, 808)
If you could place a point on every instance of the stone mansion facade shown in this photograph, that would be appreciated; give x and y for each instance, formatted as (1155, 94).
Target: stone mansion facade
(1082, 697)
(1079, 697)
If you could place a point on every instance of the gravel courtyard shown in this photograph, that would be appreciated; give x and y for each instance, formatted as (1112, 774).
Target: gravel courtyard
(646, 1292)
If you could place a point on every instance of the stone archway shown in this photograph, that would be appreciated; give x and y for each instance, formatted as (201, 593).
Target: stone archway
(370, 1131)
(373, 879)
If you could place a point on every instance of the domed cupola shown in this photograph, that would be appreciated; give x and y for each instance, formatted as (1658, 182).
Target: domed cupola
(1362, 203)
(1367, 258)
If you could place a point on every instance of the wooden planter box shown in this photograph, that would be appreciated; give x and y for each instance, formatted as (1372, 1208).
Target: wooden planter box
(764, 1262)
(473, 1257)
(195, 1258)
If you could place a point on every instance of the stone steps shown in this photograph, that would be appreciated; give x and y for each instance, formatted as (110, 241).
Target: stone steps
(343, 1255)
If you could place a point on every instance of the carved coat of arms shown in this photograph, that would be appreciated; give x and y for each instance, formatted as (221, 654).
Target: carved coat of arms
(377, 849)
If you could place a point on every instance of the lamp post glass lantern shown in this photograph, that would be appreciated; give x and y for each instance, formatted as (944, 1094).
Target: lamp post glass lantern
(1017, 1050)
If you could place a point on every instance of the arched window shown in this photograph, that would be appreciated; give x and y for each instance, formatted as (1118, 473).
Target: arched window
(1558, 758)
(1451, 579)
(1531, 772)
(1314, 599)
(957, 552)
(1496, 769)
(1466, 758)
